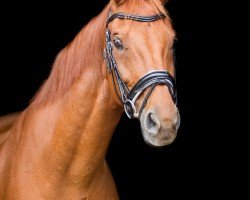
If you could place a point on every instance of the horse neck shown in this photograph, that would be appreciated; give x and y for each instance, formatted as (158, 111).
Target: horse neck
(72, 134)
(72, 131)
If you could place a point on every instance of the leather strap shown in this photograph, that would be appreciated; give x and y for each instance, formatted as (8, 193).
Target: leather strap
(135, 17)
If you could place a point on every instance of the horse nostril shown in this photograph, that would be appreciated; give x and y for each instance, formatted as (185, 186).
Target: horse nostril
(151, 120)
(152, 124)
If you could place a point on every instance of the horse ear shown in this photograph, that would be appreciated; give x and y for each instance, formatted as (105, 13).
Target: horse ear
(115, 2)
(164, 1)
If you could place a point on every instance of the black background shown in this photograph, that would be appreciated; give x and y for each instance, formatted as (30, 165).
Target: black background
(197, 163)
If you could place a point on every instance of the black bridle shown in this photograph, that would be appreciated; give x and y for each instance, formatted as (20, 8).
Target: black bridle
(151, 79)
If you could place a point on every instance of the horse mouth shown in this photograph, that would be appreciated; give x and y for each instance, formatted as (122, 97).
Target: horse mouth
(162, 138)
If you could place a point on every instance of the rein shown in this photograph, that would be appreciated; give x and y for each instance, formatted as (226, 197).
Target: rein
(149, 80)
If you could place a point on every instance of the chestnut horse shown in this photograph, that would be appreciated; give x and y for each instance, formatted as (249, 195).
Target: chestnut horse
(55, 149)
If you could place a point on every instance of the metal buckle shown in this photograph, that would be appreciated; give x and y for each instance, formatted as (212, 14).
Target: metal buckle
(130, 109)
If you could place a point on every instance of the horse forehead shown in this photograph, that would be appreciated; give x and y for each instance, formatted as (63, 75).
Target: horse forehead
(144, 33)
(157, 34)
(134, 28)
(161, 28)
(149, 28)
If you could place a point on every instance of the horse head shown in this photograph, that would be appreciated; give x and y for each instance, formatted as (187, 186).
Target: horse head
(140, 58)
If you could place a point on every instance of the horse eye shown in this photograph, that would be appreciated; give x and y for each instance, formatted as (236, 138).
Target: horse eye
(118, 43)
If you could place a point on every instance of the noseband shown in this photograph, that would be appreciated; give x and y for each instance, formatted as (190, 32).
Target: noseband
(149, 80)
